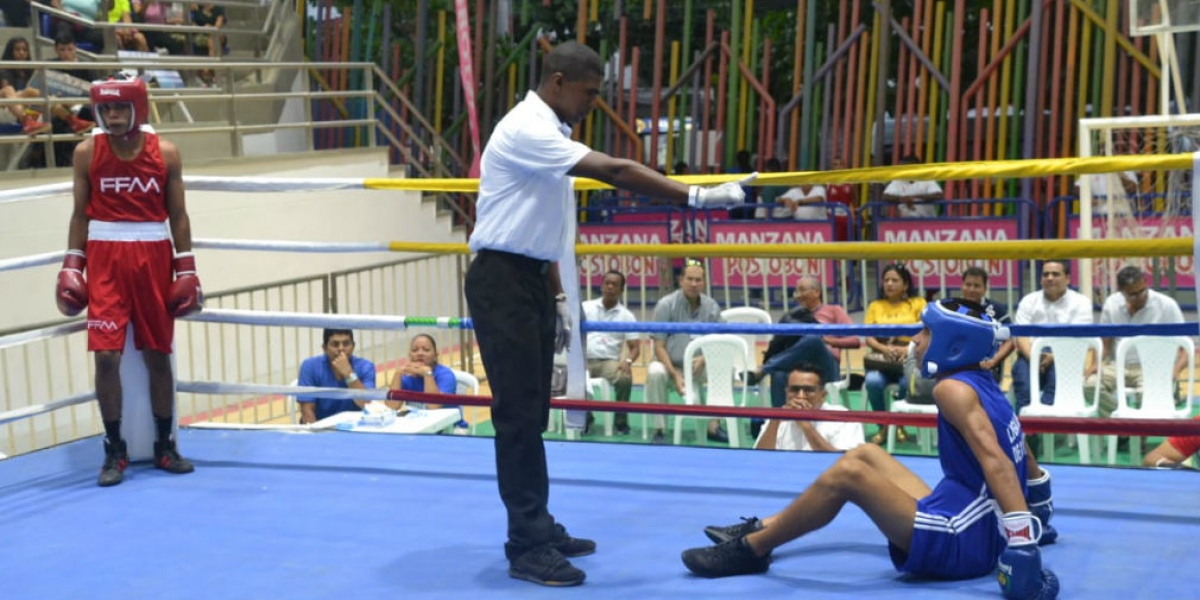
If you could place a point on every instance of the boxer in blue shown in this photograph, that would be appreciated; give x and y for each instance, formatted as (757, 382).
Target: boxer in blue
(976, 519)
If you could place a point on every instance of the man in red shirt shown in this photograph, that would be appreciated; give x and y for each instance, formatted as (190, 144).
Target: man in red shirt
(128, 184)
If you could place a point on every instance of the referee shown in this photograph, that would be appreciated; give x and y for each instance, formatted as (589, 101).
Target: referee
(516, 298)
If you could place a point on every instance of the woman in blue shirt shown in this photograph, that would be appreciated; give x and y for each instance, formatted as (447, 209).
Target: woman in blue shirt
(422, 373)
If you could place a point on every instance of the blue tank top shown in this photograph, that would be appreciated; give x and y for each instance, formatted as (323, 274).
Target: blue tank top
(958, 462)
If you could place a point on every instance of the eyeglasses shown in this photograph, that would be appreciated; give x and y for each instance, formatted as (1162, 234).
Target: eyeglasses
(807, 390)
(691, 262)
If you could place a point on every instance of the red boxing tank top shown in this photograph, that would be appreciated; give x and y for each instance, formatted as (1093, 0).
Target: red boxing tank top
(134, 190)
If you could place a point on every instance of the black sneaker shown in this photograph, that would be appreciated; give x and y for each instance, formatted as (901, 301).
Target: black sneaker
(167, 458)
(116, 458)
(571, 547)
(727, 558)
(545, 565)
(732, 532)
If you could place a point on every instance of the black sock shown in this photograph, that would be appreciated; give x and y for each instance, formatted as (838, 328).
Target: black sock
(163, 425)
(112, 431)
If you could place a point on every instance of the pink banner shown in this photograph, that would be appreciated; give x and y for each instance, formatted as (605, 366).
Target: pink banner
(933, 273)
(774, 272)
(638, 270)
(1150, 227)
(466, 71)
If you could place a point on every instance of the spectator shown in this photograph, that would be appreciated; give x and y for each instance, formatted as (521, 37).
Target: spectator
(784, 352)
(975, 289)
(681, 168)
(16, 13)
(604, 347)
(88, 9)
(841, 193)
(1057, 304)
(797, 203)
(884, 364)
(806, 391)
(1173, 451)
(128, 38)
(162, 12)
(14, 83)
(1133, 303)
(912, 196)
(423, 373)
(769, 194)
(209, 15)
(337, 367)
(688, 304)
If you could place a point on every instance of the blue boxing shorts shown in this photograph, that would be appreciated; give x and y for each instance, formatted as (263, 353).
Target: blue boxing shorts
(955, 535)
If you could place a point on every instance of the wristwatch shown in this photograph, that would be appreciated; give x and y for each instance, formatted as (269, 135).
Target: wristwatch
(351, 378)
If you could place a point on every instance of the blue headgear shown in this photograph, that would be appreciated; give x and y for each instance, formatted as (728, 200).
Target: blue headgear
(956, 338)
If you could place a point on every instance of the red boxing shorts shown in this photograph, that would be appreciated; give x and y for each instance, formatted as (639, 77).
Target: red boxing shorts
(129, 274)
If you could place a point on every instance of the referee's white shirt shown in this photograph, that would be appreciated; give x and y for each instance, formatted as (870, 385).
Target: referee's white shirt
(525, 195)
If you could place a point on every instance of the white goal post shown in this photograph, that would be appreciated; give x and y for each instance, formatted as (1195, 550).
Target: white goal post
(1183, 131)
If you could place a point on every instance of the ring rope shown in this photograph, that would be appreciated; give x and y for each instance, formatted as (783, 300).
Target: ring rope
(45, 333)
(1016, 169)
(36, 409)
(300, 319)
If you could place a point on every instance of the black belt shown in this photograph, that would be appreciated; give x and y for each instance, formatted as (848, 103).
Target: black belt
(520, 260)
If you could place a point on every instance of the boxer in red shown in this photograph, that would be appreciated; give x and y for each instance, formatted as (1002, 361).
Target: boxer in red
(121, 264)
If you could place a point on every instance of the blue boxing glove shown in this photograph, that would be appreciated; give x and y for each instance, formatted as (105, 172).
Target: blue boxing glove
(1041, 504)
(1021, 574)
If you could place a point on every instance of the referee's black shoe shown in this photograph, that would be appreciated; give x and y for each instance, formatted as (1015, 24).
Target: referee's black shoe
(544, 565)
(571, 547)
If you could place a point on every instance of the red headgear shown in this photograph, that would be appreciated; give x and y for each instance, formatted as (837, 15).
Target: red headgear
(115, 91)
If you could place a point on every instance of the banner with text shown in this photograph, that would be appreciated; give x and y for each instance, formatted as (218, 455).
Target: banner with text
(933, 274)
(774, 272)
(638, 270)
(1147, 227)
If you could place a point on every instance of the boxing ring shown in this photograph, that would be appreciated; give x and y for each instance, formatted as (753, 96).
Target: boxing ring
(300, 513)
(326, 515)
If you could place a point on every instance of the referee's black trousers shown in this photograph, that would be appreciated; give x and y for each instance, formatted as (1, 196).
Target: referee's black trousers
(512, 307)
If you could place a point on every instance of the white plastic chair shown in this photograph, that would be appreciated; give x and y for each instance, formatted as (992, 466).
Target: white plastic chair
(293, 407)
(750, 314)
(466, 385)
(1156, 354)
(722, 352)
(1070, 360)
(598, 388)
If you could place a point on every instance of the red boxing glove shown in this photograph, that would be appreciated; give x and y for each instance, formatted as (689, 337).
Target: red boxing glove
(71, 293)
(185, 296)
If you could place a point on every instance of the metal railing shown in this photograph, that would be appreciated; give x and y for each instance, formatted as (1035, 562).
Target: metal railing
(58, 365)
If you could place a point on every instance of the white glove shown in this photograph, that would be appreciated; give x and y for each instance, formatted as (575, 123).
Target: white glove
(562, 324)
(722, 196)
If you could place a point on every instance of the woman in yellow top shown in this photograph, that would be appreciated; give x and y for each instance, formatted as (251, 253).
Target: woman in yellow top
(897, 305)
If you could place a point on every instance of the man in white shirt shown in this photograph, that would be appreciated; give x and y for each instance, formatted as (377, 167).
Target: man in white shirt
(806, 391)
(1134, 302)
(797, 203)
(524, 226)
(1054, 303)
(604, 347)
(913, 197)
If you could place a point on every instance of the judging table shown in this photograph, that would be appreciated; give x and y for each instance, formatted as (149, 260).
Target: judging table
(415, 421)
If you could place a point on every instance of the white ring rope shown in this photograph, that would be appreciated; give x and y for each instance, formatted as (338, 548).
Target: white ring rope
(286, 246)
(297, 319)
(217, 387)
(33, 260)
(37, 409)
(45, 333)
(207, 183)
